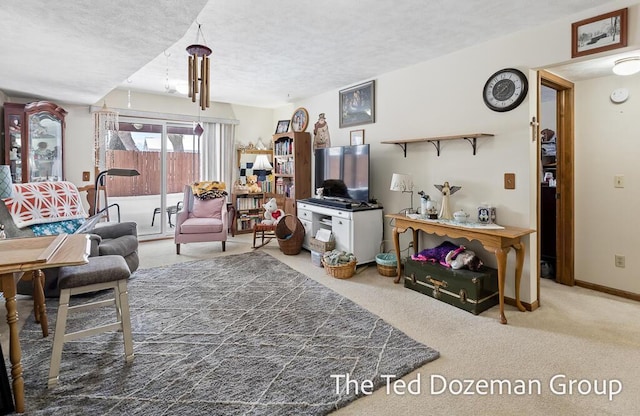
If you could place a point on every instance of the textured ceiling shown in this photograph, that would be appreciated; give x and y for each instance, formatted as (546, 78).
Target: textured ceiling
(265, 53)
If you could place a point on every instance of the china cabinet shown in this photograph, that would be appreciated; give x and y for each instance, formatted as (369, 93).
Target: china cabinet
(33, 141)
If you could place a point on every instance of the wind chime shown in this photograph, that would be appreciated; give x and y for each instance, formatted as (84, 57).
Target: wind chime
(199, 71)
(105, 124)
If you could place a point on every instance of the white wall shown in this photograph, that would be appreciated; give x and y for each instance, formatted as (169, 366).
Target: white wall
(607, 144)
(443, 97)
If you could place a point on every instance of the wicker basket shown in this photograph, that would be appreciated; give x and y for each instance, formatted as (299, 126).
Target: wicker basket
(340, 271)
(322, 246)
(290, 234)
(387, 264)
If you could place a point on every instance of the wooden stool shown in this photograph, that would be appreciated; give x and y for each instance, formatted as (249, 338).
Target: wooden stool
(267, 231)
(103, 272)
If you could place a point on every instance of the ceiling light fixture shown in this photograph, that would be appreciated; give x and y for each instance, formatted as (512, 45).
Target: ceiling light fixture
(199, 51)
(627, 66)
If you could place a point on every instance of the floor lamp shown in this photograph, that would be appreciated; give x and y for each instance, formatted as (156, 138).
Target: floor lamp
(100, 182)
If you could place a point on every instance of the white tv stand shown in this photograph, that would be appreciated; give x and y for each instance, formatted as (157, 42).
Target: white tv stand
(358, 231)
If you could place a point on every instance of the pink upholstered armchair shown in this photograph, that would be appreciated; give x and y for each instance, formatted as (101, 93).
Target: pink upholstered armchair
(201, 220)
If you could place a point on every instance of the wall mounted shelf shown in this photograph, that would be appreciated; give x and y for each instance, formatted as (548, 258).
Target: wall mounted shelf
(435, 141)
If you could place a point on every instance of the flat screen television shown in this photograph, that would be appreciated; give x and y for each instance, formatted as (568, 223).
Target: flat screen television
(343, 172)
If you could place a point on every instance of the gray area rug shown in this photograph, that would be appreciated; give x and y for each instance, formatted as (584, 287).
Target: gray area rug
(241, 334)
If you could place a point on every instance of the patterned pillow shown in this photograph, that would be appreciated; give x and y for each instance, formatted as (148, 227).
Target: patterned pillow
(59, 227)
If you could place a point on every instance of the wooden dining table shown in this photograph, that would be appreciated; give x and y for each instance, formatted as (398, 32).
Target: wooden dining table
(20, 255)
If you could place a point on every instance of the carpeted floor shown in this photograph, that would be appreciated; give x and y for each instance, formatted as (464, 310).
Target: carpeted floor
(240, 334)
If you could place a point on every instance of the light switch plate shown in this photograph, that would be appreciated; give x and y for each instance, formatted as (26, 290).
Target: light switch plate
(86, 176)
(509, 181)
(618, 181)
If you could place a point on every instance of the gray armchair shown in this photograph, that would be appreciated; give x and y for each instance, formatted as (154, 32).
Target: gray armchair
(106, 239)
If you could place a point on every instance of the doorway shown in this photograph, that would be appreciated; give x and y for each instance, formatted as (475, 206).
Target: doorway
(167, 155)
(556, 178)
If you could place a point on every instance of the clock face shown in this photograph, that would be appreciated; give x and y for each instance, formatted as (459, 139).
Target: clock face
(505, 90)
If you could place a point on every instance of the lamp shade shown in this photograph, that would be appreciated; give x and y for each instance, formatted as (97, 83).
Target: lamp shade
(6, 186)
(262, 163)
(401, 182)
(627, 66)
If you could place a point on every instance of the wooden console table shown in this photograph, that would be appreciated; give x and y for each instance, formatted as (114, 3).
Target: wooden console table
(497, 241)
(20, 255)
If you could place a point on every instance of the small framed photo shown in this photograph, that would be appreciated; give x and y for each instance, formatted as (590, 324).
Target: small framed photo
(356, 137)
(599, 34)
(299, 120)
(283, 126)
(357, 105)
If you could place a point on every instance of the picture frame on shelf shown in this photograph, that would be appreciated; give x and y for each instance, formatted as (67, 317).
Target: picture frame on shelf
(283, 126)
(299, 120)
(600, 33)
(357, 104)
(356, 137)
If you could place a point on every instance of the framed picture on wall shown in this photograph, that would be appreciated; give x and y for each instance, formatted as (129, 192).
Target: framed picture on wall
(299, 120)
(283, 126)
(598, 34)
(356, 137)
(357, 105)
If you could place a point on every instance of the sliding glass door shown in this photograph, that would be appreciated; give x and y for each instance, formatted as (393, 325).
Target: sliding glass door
(167, 155)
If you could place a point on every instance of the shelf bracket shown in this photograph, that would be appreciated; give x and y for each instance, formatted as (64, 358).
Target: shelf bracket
(472, 142)
(404, 148)
(436, 144)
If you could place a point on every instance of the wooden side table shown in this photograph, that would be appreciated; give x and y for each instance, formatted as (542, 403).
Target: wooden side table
(20, 255)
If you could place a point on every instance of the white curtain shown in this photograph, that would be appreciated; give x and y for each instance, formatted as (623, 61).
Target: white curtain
(217, 153)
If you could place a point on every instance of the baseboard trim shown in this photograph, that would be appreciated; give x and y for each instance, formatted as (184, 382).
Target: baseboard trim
(528, 306)
(609, 290)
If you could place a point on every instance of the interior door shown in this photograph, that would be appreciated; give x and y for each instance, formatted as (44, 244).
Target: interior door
(563, 191)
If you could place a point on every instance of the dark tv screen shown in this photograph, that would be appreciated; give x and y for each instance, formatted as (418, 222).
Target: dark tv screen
(348, 164)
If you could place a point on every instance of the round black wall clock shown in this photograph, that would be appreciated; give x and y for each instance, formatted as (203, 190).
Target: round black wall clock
(505, 90)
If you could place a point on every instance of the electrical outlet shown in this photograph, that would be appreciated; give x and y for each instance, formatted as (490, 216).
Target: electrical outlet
(618, 181)
(619, 260)
(86, 176)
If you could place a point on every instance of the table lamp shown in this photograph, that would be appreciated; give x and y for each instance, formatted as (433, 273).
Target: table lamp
(401, 182)
(261, 166)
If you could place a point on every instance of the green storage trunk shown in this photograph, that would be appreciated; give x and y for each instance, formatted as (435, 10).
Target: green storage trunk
(474, 292)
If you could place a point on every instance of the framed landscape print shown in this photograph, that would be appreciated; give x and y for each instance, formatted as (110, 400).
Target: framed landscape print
(357, 105)
(599, 34)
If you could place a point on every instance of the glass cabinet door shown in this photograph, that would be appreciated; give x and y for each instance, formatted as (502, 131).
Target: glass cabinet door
(45, 135)
(15, 147)
(12, 145)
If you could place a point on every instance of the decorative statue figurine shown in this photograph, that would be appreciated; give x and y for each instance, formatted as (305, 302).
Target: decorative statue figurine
(321, 133)
(446, 190)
